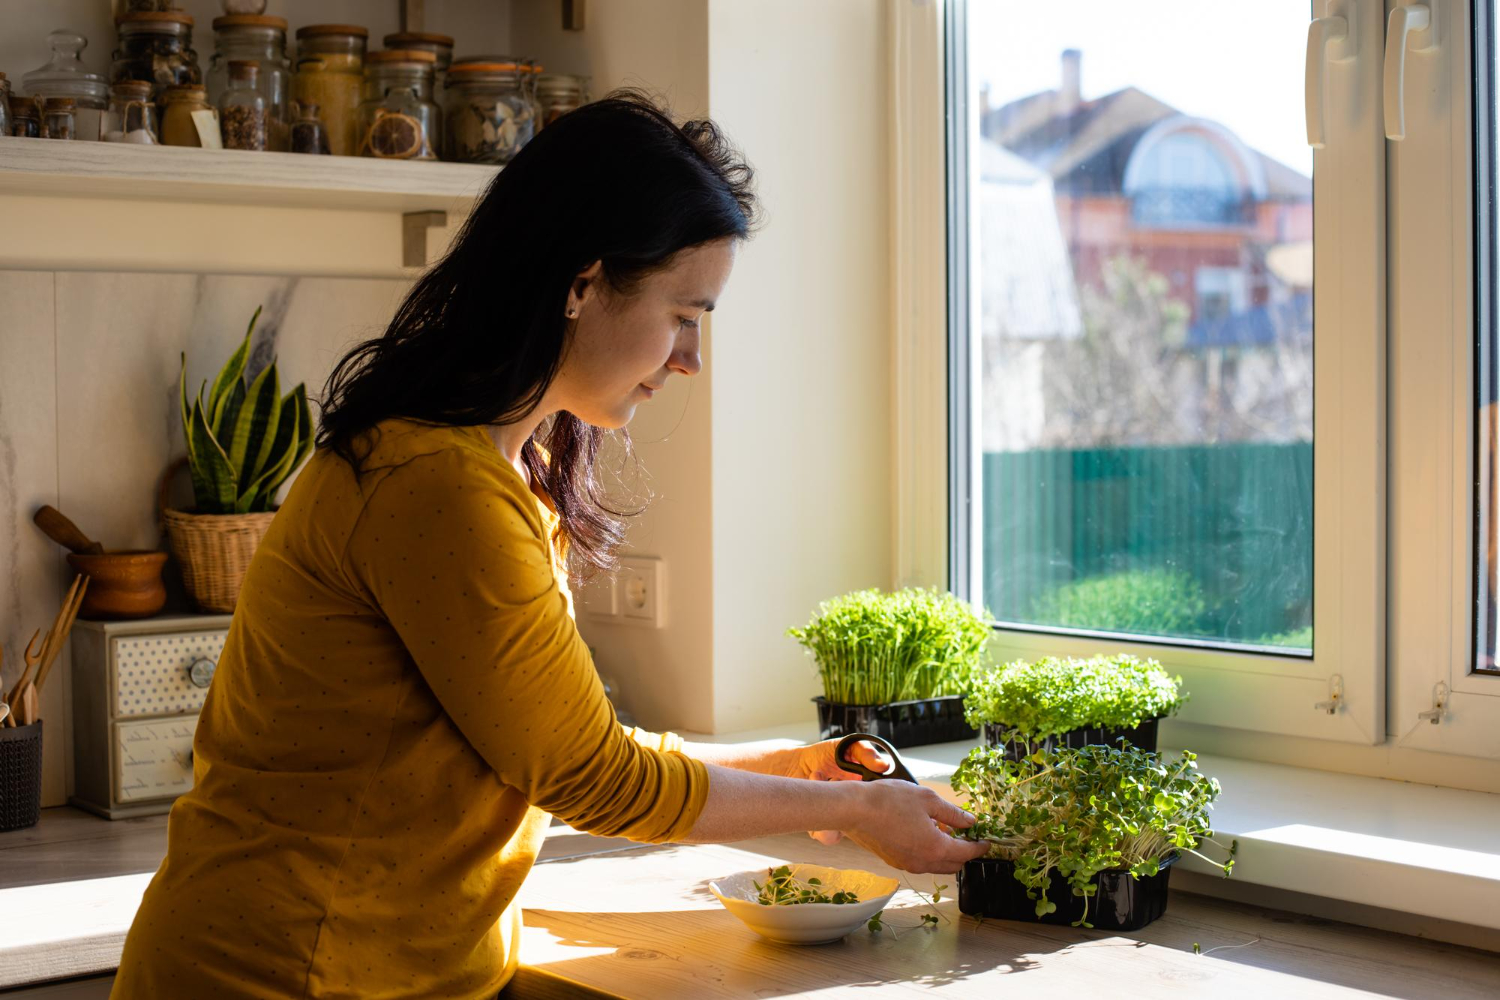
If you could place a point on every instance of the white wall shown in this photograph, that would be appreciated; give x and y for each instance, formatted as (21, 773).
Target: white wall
(801, 343)
(666, 675)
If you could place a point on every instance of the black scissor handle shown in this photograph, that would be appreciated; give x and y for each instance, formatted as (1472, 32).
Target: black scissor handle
(898, 767)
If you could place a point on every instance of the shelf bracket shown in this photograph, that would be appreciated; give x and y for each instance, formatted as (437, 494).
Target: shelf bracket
(573, 14)
(414, 226)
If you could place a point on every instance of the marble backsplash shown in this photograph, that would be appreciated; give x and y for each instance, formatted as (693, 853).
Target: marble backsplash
(89, 415)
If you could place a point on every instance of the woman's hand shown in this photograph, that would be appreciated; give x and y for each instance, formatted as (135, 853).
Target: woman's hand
(816, 762)
(906, 826)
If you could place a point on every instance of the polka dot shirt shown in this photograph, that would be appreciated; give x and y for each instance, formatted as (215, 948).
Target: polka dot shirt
(402, 702)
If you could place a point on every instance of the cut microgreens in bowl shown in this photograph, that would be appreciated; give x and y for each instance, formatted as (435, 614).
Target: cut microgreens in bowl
(782, 888)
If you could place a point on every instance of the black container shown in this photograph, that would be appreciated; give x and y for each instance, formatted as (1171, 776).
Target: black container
(902, 723)
(1142, 737)
(20, 776)
(988, 887)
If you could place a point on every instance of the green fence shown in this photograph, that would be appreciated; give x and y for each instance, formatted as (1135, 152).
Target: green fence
(1231, 525)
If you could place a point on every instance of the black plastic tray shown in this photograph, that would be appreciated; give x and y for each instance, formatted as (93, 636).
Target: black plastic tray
(902, 723)
(1142, 736)
(988, 887)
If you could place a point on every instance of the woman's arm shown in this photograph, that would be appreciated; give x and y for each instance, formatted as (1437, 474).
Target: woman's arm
(763, 757)
(895, 820)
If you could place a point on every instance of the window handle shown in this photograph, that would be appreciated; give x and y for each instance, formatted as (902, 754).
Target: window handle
(1409, 26)
(1328, 38)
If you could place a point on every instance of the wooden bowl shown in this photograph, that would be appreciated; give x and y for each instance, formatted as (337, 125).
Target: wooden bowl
(121, 584)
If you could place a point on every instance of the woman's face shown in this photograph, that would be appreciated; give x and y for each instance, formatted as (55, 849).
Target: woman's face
(625, 346)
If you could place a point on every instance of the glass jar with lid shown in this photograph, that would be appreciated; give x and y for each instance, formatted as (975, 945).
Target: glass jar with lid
(25, 118)
(261, 39)
(488, 116)
(179, 103)
(66, 75)
(441, 46)
(243, 116)
(57, 118)
(397, 118)
(155, 46)
(330, 74)
(132, 114)
(557, 94)
(308, 133)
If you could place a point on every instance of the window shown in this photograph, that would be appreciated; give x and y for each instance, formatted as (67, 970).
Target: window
(1444, 691)
(1138, 351)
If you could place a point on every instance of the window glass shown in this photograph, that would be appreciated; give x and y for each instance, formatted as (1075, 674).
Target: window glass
(1143, 232)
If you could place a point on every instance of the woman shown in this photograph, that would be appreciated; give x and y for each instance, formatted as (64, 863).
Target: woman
(403, 700)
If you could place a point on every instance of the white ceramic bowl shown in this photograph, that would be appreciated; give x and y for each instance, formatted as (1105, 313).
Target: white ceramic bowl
(806, 923)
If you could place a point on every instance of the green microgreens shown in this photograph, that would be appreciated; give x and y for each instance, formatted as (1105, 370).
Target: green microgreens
(1081, 811)
(782, 888)
(873, 648)
(1035, 700)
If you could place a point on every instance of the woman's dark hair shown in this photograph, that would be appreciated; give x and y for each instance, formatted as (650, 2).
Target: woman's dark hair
(481, 335)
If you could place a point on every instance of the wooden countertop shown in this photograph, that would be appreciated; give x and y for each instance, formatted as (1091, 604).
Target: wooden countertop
(642, 922)
(639, 920)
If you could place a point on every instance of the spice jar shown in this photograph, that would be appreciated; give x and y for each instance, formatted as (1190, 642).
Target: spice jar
(397, 118)
(308, 134)
(557, 94)
(441, 46)
(132, 114)
(244, 6)
(25, 118)
(57, 118)
(263, 40)
(330, 74)
(4, 105)
(179, 102)
(242, 110)
(488, 117)
(156, 47)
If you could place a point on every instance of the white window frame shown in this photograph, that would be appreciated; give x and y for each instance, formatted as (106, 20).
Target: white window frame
(1251, 690)
(1433, 336)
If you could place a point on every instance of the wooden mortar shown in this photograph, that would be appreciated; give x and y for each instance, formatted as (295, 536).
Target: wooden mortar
(121, 584)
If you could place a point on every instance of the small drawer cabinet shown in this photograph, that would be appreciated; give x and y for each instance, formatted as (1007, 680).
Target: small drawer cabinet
(137, 689)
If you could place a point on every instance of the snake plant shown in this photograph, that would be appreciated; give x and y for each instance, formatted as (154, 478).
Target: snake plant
(244, 440)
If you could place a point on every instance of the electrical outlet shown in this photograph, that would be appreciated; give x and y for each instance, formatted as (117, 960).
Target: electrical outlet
(638, 589)
(600, 598)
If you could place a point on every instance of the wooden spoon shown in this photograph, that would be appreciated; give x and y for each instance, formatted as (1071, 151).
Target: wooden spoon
(32, 659)
(64, 532)
(61, 627)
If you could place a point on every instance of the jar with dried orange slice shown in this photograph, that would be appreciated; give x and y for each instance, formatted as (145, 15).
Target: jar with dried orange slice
(397, 118)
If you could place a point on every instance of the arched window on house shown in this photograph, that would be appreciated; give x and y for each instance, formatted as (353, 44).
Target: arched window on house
(1191, 173)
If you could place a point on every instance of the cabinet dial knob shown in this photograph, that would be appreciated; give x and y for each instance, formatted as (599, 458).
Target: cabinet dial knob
(201, 672)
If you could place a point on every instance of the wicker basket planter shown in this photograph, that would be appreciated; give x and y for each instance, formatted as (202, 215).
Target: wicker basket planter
(214, 551)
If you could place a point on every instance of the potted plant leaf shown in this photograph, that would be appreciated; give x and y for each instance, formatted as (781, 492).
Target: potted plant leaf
(1026, 706)
(1081, 835)
(895, 664)
(243, 441)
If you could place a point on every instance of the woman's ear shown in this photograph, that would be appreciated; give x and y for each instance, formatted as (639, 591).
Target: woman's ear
(583, 287)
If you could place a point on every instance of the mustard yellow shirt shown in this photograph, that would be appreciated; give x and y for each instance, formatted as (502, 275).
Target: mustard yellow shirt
(402, 701)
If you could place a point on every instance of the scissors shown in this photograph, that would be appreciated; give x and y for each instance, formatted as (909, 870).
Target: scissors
(898, 767)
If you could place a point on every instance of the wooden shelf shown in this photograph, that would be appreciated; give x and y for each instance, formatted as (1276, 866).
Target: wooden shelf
(171, 173)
